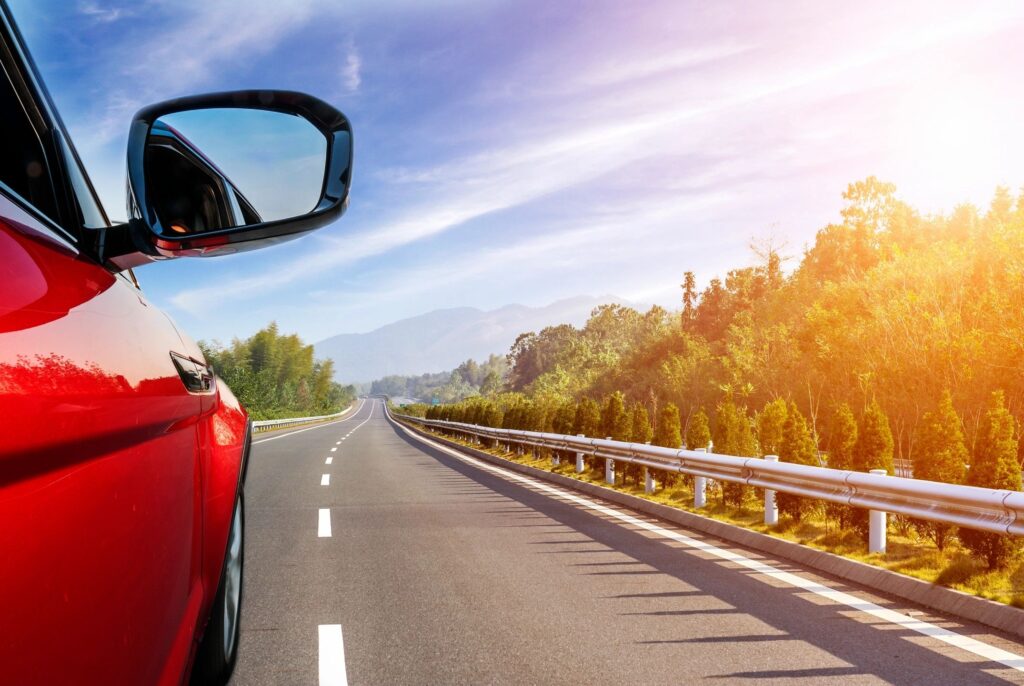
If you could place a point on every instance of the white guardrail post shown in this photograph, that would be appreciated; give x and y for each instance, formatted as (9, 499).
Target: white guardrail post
(700, 487)
(609, 467)
(771, 507)
(971, 507)
(876, 524)
(649, 485)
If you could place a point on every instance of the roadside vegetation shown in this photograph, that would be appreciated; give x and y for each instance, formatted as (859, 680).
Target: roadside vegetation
(275, 376)
(897, 339)
(465, 381)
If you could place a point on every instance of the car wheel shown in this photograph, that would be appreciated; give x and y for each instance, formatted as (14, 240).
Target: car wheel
(215, 659)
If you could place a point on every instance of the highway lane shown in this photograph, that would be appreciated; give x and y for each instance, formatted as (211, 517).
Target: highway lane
(437, 570)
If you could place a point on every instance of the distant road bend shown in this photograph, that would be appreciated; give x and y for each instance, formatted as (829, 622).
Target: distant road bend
(376, 557)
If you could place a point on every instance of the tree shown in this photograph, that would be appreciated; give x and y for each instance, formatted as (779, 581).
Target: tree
(640, 432)
(615, 422)
(588, 418)
(698, 435)
(770, 424)
(873, 449)
(842, 442)
(689, 299)
(276, 375)
(641, 424)
(940, 456)
(667, 433)
(491, 384)
(733, 436)
(564, 418)
(797, 447)
(994, 465)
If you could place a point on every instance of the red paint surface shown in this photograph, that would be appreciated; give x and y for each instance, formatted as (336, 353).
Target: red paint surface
(116, 483)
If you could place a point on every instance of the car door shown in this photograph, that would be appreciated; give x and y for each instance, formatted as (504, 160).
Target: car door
(99, 481)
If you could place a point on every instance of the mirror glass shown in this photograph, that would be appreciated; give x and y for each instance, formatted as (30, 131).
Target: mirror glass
(214, 169)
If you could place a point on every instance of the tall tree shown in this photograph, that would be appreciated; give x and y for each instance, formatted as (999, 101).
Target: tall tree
(842, 442)
(588, 418)
(615, 422)
(873, 449)
(994, 465)
(733, 436)
(667, 433)
(940, 456)
(698, 434)
(797, 447)
(771, 422)
(640, 432)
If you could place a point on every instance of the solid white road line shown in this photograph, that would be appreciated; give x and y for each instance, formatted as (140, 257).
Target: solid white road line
(332, 656)
(318, 426)
(971, 645)
(323, 528)
(325, 480)
(329, 460)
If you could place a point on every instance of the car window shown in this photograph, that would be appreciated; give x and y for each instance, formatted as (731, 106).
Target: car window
(91, 214)
(23, 166)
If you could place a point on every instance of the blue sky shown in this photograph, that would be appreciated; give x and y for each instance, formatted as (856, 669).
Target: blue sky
(524, 151)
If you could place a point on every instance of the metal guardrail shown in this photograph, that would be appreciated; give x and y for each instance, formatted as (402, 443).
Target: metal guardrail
(998, 511)
(271, 424)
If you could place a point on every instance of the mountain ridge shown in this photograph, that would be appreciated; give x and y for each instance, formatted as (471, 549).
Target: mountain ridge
(442, 339)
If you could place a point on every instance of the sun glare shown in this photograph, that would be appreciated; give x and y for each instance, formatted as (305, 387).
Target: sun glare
(946, 140)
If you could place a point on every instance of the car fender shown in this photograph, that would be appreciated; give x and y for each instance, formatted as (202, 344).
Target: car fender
(225, 436)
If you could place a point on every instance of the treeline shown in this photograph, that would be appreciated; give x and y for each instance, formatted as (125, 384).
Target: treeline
(275, 375)
(468, 379)
(897, 335)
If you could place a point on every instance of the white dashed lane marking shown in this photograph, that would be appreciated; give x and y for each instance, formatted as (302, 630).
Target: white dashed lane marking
(332, 656)
(323, 529)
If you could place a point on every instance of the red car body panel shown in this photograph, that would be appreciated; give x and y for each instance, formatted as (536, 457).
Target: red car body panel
(116, 483)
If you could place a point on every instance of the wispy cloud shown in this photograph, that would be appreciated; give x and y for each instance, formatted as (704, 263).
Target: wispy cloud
(351, 76)
(583, 149)
(103, 14)
(551, 148)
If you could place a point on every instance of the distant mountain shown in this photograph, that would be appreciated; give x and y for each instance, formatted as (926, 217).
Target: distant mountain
(442, 339)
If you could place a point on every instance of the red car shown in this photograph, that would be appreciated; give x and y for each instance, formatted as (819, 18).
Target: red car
(122, 456)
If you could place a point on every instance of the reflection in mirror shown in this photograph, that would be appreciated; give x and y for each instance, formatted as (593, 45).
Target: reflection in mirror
(220, 168)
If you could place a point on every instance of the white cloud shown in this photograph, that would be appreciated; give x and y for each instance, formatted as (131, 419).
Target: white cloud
(579, 143)
(100, 14)
(350, 73)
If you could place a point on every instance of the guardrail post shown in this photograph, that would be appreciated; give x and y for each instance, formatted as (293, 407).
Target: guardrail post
(771, 507)
(579, 458)
(876, 524)
(556, 458)
(648, 481)
(609, 467)
(700, 485)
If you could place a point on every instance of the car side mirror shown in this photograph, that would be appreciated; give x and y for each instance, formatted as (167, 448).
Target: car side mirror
(228, 172)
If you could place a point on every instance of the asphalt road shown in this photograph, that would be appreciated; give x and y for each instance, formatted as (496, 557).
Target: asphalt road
(441, 570)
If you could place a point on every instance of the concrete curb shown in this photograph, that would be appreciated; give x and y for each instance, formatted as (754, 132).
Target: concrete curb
(946, 600)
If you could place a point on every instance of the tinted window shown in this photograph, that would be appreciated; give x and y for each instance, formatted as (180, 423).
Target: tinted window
(23, 167)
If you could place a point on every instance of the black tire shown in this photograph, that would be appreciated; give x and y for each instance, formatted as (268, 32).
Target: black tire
(218, 651)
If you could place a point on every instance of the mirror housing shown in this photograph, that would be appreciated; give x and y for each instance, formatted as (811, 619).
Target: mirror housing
(145, 238)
